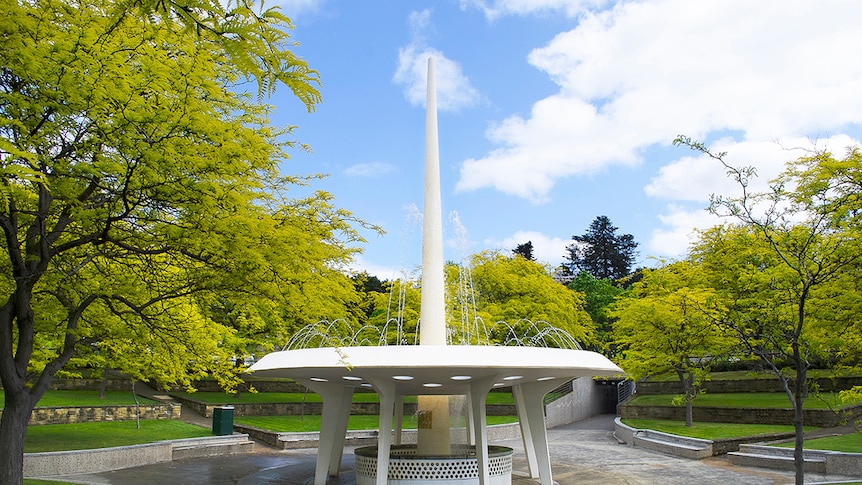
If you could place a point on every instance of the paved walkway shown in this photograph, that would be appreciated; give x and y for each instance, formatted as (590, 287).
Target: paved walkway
(582, 453)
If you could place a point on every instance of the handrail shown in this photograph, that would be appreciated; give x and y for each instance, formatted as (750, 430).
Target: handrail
(560, 391)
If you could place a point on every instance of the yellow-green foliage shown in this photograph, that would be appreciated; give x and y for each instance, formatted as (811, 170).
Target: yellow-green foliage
(512, 289)
(667, 323)
(146, 224)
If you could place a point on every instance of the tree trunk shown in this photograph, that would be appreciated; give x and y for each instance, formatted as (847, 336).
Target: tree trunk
(687, 380)
(13, 428)
(689, 413)
(798, 395)
(240, 360)
(104, 387)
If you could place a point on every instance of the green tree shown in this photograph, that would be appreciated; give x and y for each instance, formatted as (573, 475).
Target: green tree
(254, 40)
(525, 250)
(516, 290)
(599, 294)
(601, 251)
(299, 281)
(138, 187)
(496, 288)
(369, 283)
(396, 312)
(811, 235)
(368, 287)
(667, 324)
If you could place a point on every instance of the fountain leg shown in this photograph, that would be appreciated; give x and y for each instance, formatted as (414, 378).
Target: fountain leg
(526, 432)
(478, 396)
(469, 428)
(333, 428)
(533, 395)
(386, 391)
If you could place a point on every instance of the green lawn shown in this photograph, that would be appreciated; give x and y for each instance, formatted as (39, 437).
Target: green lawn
(34, 481)
(848, 443)
(283, 424)
(709, 431)
(775, 400)
(740, 375)
(84, 436)
(87, 398)
(280, 397)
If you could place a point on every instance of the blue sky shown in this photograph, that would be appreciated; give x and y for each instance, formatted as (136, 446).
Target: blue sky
(553, 112)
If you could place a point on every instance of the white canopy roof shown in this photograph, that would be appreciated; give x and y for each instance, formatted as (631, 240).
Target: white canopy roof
(433, 369)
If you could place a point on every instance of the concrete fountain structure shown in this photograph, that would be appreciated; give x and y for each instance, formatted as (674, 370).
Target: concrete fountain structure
(433, 371)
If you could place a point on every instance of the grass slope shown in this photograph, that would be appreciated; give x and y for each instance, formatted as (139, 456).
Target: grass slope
(85, 436)
(708, 431)
(773, 400)
(34, 481)
(848, 443)
(87, 398)
(744, 375)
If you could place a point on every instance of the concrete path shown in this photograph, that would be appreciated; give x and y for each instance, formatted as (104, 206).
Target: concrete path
(582, 453)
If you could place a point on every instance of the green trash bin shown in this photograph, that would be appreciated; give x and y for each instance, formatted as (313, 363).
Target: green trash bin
(223, 420)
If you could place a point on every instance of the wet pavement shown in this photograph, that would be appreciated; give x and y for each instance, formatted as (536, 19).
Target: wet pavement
(585, 452)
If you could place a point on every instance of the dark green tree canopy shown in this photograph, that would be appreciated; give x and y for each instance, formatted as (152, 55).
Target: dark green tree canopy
(525, 251)
(598, 295)
(601, 251)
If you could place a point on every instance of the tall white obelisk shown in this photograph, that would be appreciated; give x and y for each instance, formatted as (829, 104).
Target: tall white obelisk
(432, 314)
(433, 423)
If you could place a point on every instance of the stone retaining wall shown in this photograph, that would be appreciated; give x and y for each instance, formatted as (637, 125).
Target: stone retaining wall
(828, 462)
(125, 384)
(628, 435)
(94, 461)
(314, 408)
(51, 464)
(746, 385)
(287, 441)
(89, 414)
(812, 417)
(114, 384)
(261, 385)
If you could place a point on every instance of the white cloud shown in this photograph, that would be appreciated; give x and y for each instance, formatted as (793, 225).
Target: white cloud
(382, 272)
(498, 8)
(694, 178)
(641, 73)
(370, 169)
(546, 249)
(296, 8)
(681, 223)
(454, 90)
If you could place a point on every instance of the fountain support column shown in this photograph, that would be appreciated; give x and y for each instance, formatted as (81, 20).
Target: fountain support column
(333, 428)
(433, 432)
(529, 400)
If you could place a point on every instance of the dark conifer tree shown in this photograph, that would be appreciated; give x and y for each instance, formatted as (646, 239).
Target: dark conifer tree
(601, 251)
(525, 251)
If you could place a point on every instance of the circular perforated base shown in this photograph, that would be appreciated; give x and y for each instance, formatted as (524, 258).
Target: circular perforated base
(461, 467)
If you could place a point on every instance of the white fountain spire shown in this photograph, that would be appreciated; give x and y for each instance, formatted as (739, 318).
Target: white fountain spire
(433, 412)
(432, 313)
